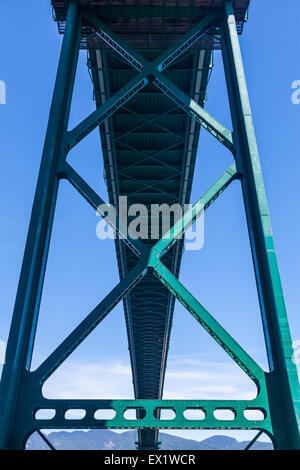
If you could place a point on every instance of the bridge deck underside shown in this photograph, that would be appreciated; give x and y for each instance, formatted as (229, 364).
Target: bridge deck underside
(141, 22)
(149, 149)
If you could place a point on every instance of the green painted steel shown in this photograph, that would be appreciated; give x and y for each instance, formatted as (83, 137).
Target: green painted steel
(283, 383)
(145, 135)
(149, 270)
(22, 332)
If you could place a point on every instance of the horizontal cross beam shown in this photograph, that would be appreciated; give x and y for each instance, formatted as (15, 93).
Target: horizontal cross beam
(164, 11)
(148, 414)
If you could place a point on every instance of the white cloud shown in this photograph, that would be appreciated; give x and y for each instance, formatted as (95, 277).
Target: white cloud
(109, 379)
(200, 377)
(186, 378)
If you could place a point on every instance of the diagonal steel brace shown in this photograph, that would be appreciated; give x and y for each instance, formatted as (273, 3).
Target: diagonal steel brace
(149, 71)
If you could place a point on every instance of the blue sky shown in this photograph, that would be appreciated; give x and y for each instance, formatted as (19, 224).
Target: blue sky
(82, 269)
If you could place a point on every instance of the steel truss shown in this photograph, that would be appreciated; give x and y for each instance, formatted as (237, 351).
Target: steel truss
(277, 390)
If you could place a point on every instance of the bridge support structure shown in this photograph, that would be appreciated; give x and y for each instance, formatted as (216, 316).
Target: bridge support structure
(277, 390)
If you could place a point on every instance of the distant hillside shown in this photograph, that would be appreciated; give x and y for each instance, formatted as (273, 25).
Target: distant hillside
(103, 439)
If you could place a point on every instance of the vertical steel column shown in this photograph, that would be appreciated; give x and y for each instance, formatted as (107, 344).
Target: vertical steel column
(24, 322)
(282, 381)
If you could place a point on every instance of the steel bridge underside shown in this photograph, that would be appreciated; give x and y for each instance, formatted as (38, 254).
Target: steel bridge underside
(149, 149)
(150, 65)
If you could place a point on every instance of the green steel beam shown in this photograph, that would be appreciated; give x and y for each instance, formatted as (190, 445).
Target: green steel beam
(164, 11)
(106, 110)
(219, 334)
(185, 42)
(147, 122)
(75, 338)
(23, 327)
(283, 383)
(108, 126)
(180, 227)
(128, 54)
(153, 69)
(150, 186)
(167, 58)
(67, 172)
(150, 420)
(195, 110)
(153, 156)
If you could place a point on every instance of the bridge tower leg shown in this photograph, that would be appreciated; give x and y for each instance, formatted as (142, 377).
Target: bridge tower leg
(25, 316)
(282, 382)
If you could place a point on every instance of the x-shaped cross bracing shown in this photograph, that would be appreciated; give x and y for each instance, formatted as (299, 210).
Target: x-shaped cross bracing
(149, 71)
(150, 258)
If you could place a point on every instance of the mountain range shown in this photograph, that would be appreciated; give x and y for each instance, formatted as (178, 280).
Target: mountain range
(103, 439)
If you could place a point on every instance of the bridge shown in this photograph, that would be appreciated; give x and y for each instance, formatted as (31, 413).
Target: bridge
(150, 62)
